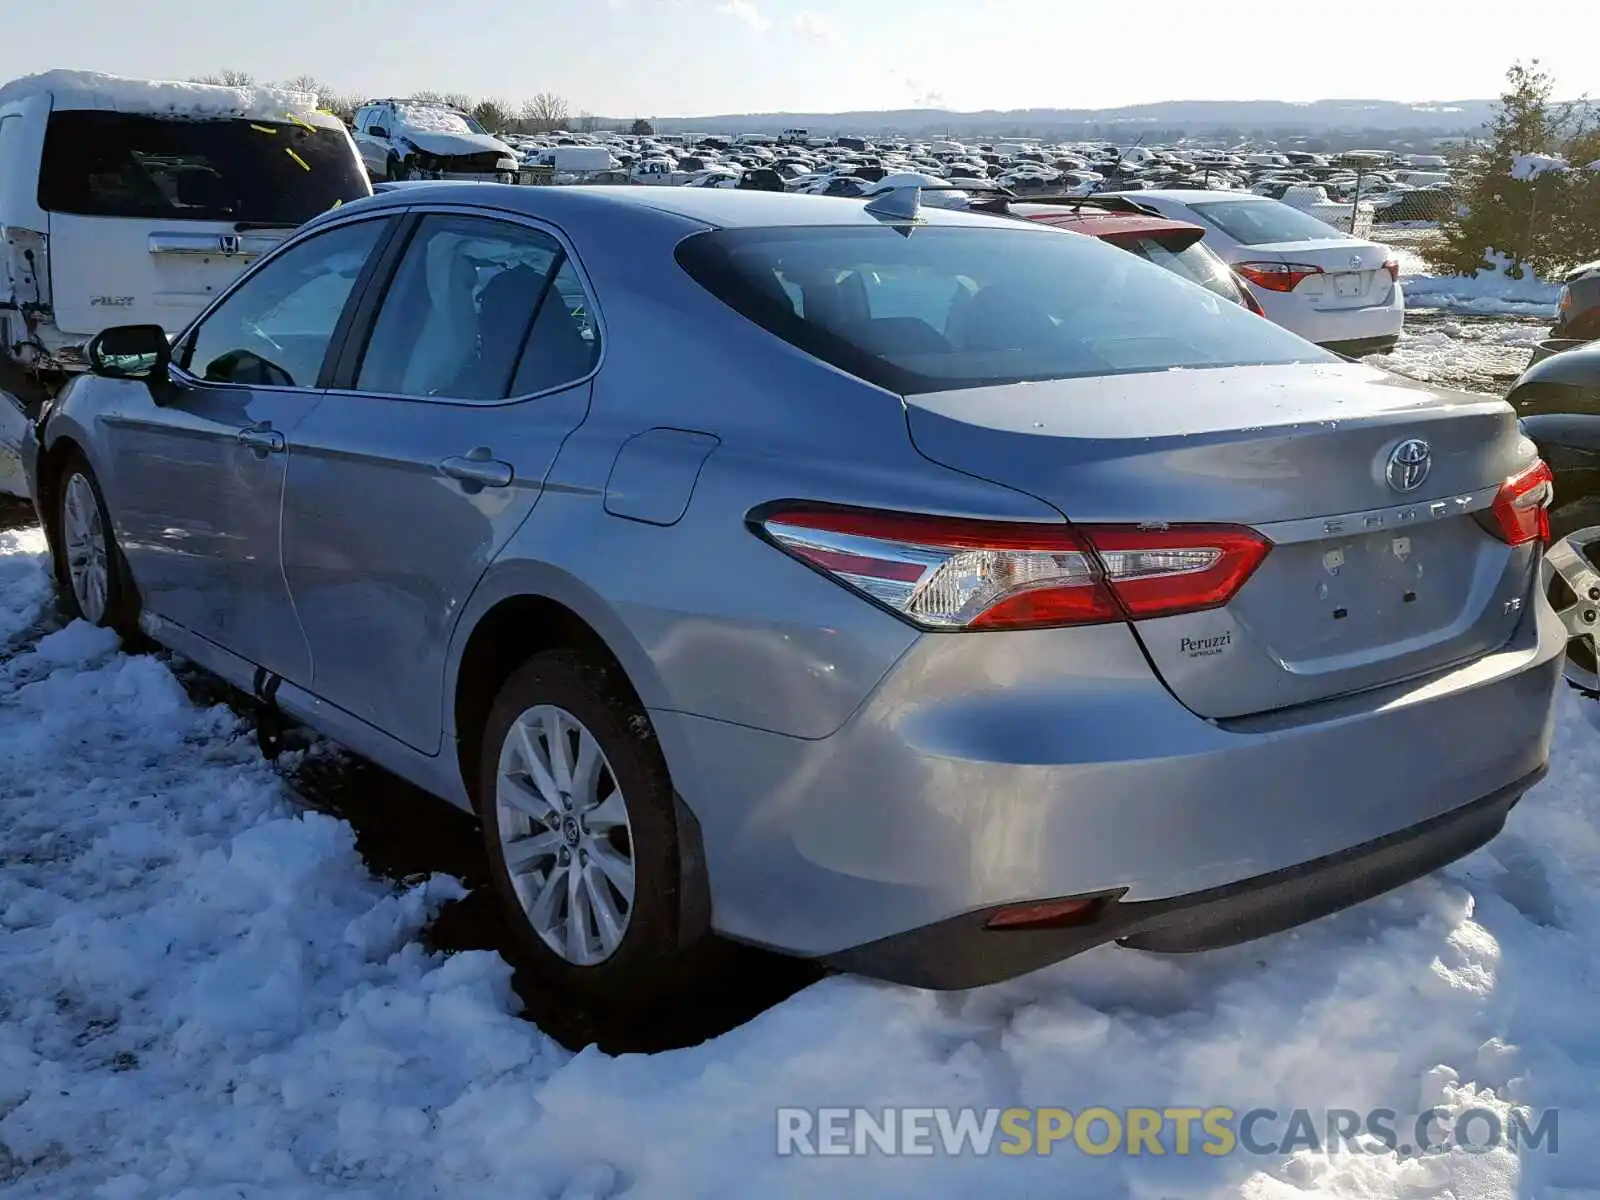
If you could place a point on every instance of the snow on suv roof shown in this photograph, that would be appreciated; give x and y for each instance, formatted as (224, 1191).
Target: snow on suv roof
(163, 98)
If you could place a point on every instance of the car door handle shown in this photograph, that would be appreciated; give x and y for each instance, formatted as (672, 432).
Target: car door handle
(259, 437)
(478, 468)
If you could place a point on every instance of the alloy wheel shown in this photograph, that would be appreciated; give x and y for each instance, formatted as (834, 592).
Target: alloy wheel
(565, 838)
(1577, 604)
(87, 556)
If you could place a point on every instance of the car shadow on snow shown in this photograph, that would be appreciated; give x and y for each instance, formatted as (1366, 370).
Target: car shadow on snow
(404, 834)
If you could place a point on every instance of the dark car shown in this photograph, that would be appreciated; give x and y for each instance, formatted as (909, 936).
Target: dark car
(1578, 314)
(1558, 403)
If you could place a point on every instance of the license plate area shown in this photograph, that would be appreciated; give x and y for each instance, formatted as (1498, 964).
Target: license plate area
(1347, 285)
(1358, 593)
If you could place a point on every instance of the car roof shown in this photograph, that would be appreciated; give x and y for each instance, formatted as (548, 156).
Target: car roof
(1185, 195)
(1104, 224)
(721, 208)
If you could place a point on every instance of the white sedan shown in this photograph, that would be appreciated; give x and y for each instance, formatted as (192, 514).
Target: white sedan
(1339, 291)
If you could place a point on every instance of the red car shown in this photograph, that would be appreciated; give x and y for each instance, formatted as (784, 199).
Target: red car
(1175, 245)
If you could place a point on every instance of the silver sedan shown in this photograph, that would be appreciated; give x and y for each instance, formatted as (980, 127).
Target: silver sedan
(928, 593)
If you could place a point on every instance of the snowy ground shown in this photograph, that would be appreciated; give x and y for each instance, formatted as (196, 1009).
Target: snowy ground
(204, 994)
(1471, 333)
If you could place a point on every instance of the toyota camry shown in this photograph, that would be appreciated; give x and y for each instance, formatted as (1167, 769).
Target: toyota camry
(928, 595)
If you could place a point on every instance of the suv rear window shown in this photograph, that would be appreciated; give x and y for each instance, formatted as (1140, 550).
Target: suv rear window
(1261, 222)
(1193, 262)
(108, 164)
(943, 307)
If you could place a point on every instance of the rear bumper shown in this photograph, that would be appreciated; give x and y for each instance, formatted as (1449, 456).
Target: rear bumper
(1326, 327)
(1364, 346)
(998, 769)
(962, 953)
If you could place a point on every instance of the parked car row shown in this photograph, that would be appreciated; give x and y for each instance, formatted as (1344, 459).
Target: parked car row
(1011, 552)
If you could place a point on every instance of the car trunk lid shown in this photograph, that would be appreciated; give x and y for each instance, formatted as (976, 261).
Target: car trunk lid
(1364, 584)
(1351, 273)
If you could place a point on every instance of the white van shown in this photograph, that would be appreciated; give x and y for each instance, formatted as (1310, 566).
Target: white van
(128, 201)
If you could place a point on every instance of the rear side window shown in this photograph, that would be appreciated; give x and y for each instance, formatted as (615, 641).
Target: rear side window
(1262, 222)
(109, 164)
(962, 307)
(479, 309)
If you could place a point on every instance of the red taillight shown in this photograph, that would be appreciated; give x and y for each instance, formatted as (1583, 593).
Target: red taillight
(1048, 914)
(1250, 300)
(1393, 267)
(1275, 276)
(1522, 506)
(954, 574)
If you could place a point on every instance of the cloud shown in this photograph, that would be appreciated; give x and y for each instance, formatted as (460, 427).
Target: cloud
(811, 25)
(748, 13)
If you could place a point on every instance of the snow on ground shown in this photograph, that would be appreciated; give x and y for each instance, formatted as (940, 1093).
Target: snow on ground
(1487, 292)
(1473, 353)
(204, 995)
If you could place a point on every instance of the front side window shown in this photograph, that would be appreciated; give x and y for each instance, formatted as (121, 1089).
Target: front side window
(110, 164)
(274, 329)
(963, 306)
(479, 310)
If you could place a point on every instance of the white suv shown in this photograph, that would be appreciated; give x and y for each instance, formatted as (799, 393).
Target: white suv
(404, 139)
(137, 202)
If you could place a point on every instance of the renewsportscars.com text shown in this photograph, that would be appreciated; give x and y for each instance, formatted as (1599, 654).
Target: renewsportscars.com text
(1215, 1131)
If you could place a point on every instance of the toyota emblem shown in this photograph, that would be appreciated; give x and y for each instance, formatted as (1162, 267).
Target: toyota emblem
(1409, 464)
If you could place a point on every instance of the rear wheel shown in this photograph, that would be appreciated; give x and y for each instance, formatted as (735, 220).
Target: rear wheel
(90, 572)
(579, 824)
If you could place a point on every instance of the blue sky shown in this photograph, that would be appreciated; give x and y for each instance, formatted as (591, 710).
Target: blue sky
(688, 57)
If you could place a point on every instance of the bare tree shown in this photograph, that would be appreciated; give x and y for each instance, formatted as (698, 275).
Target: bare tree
(308, 83)
(343, 107)
(494, 115)
(460, 101)
(544, 112)
(227, 78)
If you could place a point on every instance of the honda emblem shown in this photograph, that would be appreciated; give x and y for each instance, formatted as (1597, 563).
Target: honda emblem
(229, 243)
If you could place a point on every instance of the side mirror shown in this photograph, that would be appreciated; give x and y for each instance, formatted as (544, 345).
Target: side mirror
(377, 131)
(131, 352)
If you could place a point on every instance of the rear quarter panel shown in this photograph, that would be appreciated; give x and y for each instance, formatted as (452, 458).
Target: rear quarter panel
(706, 616)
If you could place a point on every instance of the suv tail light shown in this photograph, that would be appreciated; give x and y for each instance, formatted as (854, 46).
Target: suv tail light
(954, 574)
(1522, 506)
(1276, 276)
(1393, 267)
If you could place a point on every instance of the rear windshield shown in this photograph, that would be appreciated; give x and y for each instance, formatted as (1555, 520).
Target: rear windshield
(937, 308)
(107, 164)
(1261, 222)
(1194, 263)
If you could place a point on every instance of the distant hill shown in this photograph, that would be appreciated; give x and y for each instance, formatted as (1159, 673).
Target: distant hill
(1242, 117)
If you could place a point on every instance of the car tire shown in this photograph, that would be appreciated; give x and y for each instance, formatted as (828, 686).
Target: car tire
(91, 574)
(593, 897)
(393, 169)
